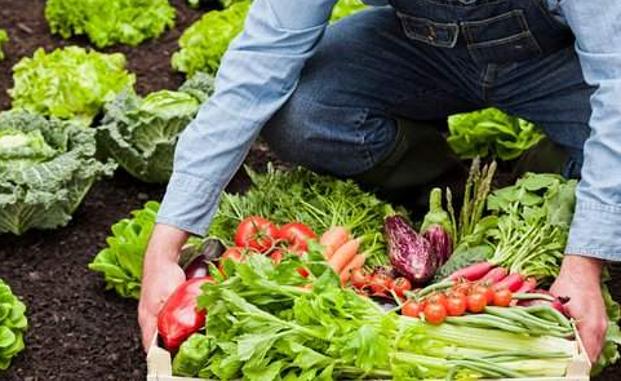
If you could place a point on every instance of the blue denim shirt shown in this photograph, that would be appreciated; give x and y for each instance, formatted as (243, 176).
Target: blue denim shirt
(262, 67)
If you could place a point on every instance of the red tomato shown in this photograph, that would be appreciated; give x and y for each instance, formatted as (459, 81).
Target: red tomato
(400, 286)
(463, 288)
(256, 233)
(435, 313)
(276, 256)
(411, 309)
(456, 305)
(476, 302)
(296, 234)
(380, 283)
(236, 254)
(358, 278)
(487, 291)
(502, 298)
(439, 298)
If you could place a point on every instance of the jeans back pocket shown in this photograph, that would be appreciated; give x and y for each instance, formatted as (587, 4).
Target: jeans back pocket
(500, 39)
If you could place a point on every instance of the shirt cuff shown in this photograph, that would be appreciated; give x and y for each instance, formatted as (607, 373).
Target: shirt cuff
(595, 231)
(189, 204)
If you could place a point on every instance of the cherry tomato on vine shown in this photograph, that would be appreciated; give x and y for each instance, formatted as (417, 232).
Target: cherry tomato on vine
(380, 283)
(435, 313)
(411, 309)
(400, 286)
(438, 298)
(502, 298)
(476, 302)
(256, 233)
(487, 291)
(456, 305)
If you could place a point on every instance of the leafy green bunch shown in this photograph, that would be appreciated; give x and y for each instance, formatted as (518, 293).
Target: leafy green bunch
(69, 83)
(204, 43)
(4, 38)
(121, 261)
(141, 133)
(108, 22)
(47, 166)
(490, 131)
(318, 201)
(13, 325)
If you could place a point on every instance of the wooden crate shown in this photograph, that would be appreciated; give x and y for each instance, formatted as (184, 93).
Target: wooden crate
(159, 365)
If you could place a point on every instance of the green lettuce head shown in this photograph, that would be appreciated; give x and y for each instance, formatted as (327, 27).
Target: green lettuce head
(46, 168)
(13, 325)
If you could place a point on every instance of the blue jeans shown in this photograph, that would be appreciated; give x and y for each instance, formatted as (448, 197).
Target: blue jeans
(425, 60)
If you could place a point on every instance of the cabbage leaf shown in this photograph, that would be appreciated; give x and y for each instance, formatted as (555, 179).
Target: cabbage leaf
(13, 325)
(46, 168)
(69, 83)
(141, 133)
(108, 22)
(491, 131)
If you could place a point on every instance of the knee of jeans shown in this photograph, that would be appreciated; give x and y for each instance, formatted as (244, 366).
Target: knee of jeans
(342, 141)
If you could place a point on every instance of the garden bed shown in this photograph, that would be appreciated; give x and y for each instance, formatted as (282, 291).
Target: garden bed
(78, 331)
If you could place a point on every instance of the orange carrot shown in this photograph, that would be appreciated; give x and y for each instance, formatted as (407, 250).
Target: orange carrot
(354, 264)
(333, 239)
(344, 255)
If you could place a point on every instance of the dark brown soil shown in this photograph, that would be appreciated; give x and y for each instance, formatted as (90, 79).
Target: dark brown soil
(78, 331)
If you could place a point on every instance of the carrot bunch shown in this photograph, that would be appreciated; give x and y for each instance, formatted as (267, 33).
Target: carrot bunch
(342, 252)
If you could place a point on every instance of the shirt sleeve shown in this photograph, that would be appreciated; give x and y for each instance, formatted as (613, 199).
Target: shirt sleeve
(257, 75)
(596, 228)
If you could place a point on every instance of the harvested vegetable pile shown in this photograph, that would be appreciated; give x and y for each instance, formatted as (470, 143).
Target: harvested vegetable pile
(141, 133)
(13, 325)
(266, 322)
(69, 83)
(46, 168)
(108, 22)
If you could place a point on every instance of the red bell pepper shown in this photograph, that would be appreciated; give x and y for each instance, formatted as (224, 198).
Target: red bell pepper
(179, 318)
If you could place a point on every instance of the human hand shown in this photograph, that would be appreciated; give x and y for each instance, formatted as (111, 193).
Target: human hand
(161, 276)
(580, 280)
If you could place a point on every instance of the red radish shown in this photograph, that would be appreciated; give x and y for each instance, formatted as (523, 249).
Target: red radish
(529, 285)
(557, 304)
(472, 272)
(495, 275)
(512, 282)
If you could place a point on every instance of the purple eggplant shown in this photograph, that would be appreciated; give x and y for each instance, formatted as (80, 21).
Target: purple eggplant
(440, 241)
(410, 253)
(198, 257)
(438, 227)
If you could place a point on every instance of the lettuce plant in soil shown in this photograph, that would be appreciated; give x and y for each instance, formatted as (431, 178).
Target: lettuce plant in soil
(141, 133)
(121, 261)
(4, 38)
(108, 22)
(47, 166)
(204, 43)
(13, 325)
(69, 83)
